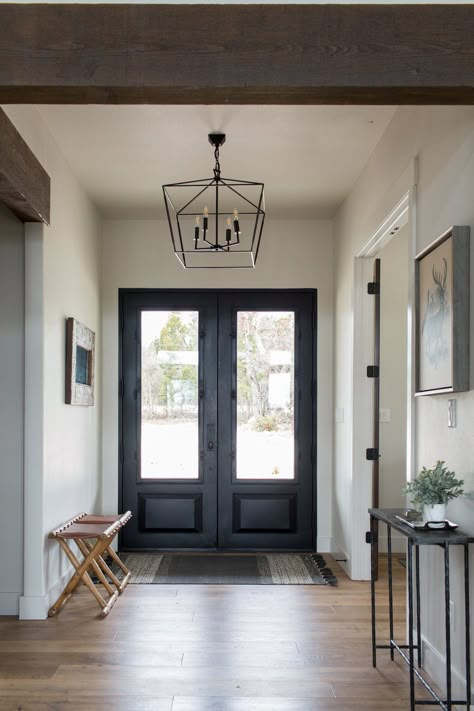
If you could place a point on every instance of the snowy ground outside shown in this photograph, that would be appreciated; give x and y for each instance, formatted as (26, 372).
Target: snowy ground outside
(170, 451)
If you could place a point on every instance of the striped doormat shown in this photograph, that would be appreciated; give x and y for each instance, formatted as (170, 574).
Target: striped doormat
(228, 569)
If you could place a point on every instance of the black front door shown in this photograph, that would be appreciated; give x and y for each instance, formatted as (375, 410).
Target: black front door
(217, 419)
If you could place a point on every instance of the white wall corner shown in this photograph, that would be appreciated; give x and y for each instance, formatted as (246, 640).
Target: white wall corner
(324, 544)
(34, 586)
(35, 607)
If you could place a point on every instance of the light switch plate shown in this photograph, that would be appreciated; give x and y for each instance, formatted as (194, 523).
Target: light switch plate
(384, 414)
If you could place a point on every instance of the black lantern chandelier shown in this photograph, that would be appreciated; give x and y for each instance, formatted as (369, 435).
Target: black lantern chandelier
(215, 222)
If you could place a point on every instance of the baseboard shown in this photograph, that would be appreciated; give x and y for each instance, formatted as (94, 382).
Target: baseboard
(35, 607)
(9, 604)
(434, 663)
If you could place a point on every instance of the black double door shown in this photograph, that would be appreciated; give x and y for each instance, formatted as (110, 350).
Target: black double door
(217, 419)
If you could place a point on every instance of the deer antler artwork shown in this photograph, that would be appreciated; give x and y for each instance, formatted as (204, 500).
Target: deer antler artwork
(436, 313)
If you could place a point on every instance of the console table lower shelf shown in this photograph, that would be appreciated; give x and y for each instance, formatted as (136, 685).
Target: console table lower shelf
(416, 538)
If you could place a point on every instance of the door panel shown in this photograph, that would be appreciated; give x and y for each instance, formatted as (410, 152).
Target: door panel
(217, 419)
(168, 409)
(271, 505)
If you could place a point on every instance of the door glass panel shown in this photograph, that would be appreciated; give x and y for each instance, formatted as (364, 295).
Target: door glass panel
(169, 395)
(265, 395)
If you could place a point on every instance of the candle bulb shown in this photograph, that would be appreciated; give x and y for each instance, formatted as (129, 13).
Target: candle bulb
(205, 220)
(228, 232)
(196, 229)
(236, 222)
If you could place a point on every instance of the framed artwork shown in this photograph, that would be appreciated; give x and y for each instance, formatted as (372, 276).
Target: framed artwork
(442, 314)
(80, 357)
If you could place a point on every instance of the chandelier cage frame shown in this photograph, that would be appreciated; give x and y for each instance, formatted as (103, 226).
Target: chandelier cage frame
(204, 248)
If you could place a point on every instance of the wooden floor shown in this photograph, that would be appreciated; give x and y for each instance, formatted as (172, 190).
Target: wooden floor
(203, 648)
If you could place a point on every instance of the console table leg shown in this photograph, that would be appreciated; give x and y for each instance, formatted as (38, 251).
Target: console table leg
(448, 627)
(372, 589)
(410, 623)
(467, 625)
(390, 587)
(418, 602)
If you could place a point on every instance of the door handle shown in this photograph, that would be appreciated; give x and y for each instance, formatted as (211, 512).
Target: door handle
(211, 436)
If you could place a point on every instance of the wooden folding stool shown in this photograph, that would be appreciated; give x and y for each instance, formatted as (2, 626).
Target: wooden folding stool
(93, 535)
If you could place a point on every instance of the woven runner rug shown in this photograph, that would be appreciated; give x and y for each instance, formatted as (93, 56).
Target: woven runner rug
(228, 569)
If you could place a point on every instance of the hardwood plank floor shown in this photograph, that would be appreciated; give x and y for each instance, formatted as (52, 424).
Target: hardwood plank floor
(209, 648)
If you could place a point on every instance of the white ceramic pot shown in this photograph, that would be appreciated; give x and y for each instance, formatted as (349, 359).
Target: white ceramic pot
(436, 512)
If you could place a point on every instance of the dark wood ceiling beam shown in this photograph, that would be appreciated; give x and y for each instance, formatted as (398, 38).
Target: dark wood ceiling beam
(24, 184)
(199, 54)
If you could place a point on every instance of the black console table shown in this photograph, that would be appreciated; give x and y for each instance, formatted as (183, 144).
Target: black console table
(416, 538)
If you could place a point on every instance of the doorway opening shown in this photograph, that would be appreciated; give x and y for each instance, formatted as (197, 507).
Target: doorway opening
(217, 419)
(393, 240)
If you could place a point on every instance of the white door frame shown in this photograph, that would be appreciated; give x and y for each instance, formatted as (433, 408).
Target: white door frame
(402, 213)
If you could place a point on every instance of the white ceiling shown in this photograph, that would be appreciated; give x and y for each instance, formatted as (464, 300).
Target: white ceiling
(309, 157)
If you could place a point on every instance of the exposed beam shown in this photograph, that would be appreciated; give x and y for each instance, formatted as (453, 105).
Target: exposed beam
(24, 184)
(199, 54)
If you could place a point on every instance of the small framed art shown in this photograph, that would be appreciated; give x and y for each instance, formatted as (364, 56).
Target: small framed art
(442, 314)
(80, 357)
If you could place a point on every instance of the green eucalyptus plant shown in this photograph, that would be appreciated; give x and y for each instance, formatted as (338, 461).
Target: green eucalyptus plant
(434, 486)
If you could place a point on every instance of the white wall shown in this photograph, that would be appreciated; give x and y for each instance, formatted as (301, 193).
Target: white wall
(12, 323)
(443, 140)
(294, 254)
(70, 469)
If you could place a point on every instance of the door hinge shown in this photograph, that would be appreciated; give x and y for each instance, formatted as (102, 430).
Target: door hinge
(373, 371)
(121, 388)
(372, 454)
(373, 287)
(371, 537)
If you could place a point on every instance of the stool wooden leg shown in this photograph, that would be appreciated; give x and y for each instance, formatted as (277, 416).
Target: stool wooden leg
(80, 568)
(120, 585)
(122, 566)
(95, 566)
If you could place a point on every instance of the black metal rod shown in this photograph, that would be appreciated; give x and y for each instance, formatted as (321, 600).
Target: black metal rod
(418, 602)
(390, 586)
(180, 212)
(467, 624)
(395, 645)
(448, 626)
(217, 217)
(372, 589)
(410, 623)
(419, 676)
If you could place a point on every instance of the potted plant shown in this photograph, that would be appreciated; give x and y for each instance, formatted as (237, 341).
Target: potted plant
(431, 490)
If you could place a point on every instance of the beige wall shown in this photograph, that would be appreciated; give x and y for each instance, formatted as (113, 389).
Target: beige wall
(294, 254)
(70, 469)
(442, 138)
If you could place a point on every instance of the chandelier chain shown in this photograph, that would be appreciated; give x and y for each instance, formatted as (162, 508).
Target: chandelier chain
(217, 169)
